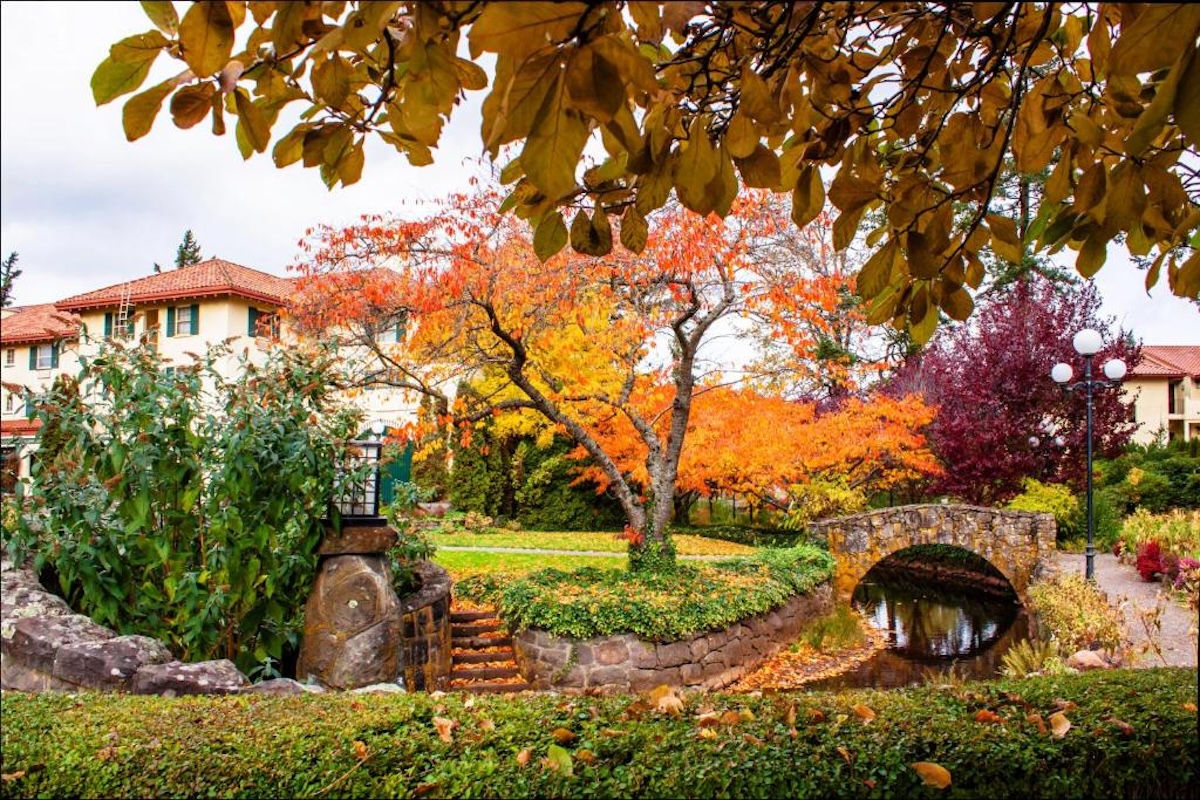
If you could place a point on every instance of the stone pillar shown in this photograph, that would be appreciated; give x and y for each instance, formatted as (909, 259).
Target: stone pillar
(352, 624)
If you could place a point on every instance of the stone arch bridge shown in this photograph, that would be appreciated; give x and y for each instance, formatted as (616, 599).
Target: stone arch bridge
(1019, 544)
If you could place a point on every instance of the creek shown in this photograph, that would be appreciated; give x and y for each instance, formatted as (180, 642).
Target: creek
(934, 628)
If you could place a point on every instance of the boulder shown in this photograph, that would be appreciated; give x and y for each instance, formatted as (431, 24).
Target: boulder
(109, 664)
(36, 640)
(282, 686)
(352, 625)
(1084, 660)
(358, 539)
(176, 679)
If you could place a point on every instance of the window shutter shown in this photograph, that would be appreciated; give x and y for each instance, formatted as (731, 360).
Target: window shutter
(29, 409)
(171, 321)
(33, 358)
(252, 328)
(195, 319)
(54, 356)
(108, 324)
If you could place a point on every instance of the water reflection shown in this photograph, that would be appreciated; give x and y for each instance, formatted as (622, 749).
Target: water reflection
(931, 629)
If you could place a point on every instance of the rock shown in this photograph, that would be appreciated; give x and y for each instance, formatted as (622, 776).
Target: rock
(282, 686)
(176, 679)
(358, 540)
(435, 510)
(23, 602)
(352, 627)
(110, 664)
(379, 688)
(36, 640)
(1085, 660)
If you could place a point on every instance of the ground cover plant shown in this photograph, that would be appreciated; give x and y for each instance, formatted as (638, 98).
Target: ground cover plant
(663, 606)
(461, 564)
(1121, 733)
(592, 541)
(176, 504)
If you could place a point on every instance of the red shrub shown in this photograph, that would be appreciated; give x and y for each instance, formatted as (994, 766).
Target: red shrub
(1150, 560)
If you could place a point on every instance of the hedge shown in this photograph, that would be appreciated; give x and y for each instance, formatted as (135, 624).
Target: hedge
(1132, 734)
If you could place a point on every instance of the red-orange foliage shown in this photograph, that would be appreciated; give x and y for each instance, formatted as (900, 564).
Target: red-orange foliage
(592, 344)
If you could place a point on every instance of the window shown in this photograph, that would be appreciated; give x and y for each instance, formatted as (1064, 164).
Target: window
(183, 320)
(122, 329)
(10, 402)
(10, 357)
(43, 356)
(1175, 397)
(263, 323)
(392, 330)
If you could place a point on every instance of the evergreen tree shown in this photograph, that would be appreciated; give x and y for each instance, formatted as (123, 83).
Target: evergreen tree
(8, 273)
(188, 252)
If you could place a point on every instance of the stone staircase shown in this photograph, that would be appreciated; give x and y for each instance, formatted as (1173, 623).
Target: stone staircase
(483, 661)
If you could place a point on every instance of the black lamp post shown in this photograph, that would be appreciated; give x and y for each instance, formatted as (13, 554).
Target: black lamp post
(1087, 343)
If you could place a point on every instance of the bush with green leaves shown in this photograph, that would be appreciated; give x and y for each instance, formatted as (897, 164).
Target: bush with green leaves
(1050, 498)
(186, 506)
(1076, 614)
(1155, 477)
(663, 605)
(1132, 734)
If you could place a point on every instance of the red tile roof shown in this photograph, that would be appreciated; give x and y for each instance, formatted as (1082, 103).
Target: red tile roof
(40, 323)
(20, 427)
(1168, 361)
(211, 278)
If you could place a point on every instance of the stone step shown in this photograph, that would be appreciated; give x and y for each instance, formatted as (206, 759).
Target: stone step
(471, 616)
(484, 673)
(474, 642)
(477, 658)
(475, 629)
(492, 688)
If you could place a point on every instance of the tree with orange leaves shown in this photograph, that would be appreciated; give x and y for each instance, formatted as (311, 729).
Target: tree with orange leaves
(582, 341)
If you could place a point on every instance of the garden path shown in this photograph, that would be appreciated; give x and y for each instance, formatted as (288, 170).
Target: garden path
(540, 551)
(1121, 581)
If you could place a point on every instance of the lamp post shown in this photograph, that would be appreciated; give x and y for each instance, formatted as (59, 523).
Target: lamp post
(1087, 343)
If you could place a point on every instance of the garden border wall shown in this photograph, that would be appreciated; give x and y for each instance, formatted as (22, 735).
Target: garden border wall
(624, 662)
(45, 646)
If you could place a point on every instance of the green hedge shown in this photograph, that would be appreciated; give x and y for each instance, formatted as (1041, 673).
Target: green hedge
(741, 534)
(660, 606)
(1133, 734)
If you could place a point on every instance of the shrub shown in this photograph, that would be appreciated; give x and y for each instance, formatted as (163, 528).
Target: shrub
(663, 606)
(1176, 532)
(821, 498)
(186, 507)
(1150, 560)
(1076, 614)
(1051, 498)
(741, 534)
(1029, 657)
(1133, 735)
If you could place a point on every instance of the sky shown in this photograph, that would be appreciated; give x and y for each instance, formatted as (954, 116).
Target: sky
(84, 208)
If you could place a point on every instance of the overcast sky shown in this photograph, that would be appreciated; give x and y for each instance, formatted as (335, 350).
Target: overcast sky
(86, 209)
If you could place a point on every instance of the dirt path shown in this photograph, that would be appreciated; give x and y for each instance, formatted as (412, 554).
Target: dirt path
(1122, 582)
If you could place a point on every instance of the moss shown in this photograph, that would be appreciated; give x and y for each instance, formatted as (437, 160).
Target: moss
(1133, 734)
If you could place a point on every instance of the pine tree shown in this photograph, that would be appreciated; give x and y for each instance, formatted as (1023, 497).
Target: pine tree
(8, 273)
(189, 251)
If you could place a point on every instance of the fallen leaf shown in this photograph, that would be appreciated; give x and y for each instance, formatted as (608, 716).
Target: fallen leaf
(934, 775)
(815, 715)
(12, 776)
(444, 728)
(1036, 719)
(706, 733)
(487, 725)
(1059, 724)
(870, 784)
(610, 733)
(1122, 726)
(731, 718)
(985, 716)
(746, 715)
(864, 713)
(708, 719)
(424, 789)
(844, 753)
(752, 739)
(1189, 707)
(360, 750)
(586, 756)
(789, 719)
(563, 736)
(523, 757)
(469, 702)
(559, 760)
(106, 753)
(1064, 705)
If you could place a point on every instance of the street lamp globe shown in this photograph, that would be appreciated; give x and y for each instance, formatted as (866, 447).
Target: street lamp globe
(377, 428)
(1088, 342)
(1115, 369)
(1061, 373)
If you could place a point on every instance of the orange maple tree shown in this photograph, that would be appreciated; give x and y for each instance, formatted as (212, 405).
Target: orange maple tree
(589, 343)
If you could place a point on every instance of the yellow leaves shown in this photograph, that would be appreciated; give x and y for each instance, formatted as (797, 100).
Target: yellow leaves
(1059, 725)
(1187, 100)
(523, 757)
(634, 230)
(756, 98)
(1185, 279)
(206, 36)
(553, 147)
(191, 104)
(252, 121)
(550, 236)
(1155, 38)
(760, 169)
(559, 760)
(808, 198)
(360, 750)
(139, 113)
(988, 717)
(666, 700)
(591, 235)
(445, 728)
(126, 67)
(699, 166)
(563, 735)
(865, 713)
(517, 29)
(1006, 241)
(934, 775)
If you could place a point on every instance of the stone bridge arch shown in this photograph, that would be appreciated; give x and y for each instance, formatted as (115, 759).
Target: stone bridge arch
(1020, 544)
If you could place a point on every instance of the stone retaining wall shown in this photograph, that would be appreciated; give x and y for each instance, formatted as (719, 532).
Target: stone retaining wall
(708, 660)
(45, 646)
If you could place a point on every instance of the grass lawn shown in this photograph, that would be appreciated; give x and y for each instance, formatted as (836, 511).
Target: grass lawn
(599, 542)
(459, 562)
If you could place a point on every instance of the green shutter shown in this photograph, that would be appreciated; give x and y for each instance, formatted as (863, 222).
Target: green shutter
(171, 321)
(195, 319)
(108, 324)
(33, 358)
(252, 328)
(29, 409)
(54, 356)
